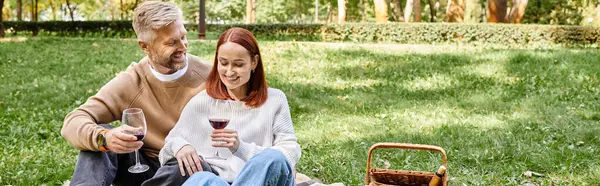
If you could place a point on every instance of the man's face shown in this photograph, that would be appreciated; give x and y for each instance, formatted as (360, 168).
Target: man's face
(168, 50)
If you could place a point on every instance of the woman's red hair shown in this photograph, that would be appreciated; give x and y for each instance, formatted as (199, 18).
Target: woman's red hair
(257, 85)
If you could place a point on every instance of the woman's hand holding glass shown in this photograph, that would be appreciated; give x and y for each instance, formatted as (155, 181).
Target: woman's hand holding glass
(188, 159)
(225, 138)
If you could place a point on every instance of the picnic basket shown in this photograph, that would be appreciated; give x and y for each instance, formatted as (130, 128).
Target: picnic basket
(381, 177)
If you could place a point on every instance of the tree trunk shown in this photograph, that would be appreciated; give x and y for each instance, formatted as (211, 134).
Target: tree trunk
(473, 11)
(328, 19)
(408, 10)
(455, 11)
(381, 11)
(53, 9)
(432, 11)
(121, 8)
(397, 14)
(70, 10)
(112, 10)
(250, 11)
(341, 11)
(363, 12)
(132, 8)
(1, 21)
(36, 10)
(19, 10)
(317, 11)
(417, 11)
(201, 20)
(496, 11)
(32, 11)
(517, 11)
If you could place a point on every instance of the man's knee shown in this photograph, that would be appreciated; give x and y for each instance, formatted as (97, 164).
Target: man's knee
(94, 168)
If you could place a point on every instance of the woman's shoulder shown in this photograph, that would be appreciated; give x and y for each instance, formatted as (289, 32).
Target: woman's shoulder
(200, 97)
(276, 97)
(275, 93)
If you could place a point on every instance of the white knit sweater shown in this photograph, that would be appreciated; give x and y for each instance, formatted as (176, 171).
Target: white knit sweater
(268, 126)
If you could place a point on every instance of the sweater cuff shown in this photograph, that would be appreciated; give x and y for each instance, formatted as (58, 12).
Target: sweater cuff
(94, 137)
(177, 144)
(244, 151)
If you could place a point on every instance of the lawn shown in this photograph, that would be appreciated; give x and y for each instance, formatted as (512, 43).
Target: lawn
(497, 112)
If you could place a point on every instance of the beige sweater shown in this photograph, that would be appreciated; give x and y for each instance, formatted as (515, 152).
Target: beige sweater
(162, 103)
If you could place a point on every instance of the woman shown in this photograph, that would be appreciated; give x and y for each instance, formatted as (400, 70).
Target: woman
(260, 139)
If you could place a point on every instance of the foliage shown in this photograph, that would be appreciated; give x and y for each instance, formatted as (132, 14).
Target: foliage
(73, 28)
(563, 12)
(507, 34)
(497, 112)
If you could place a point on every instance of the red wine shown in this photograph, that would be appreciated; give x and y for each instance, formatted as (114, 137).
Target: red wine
(218, 123)
(138, 134)
(139, 137)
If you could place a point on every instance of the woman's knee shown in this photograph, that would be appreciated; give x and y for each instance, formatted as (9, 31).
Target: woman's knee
(202, 177)
(273, 156)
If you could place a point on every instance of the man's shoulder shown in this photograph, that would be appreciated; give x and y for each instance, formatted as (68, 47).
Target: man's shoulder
(129, 79)
(200, 66)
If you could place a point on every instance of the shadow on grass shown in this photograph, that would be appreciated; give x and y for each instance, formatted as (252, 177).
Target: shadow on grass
(529, 91)
(450, 78)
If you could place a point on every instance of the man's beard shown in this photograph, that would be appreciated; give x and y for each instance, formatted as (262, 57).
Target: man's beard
(167, 62)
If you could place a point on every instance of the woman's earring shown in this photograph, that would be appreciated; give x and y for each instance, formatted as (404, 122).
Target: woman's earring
(252, 70)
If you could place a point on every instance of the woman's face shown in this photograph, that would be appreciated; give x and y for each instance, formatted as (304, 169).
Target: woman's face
(235, 65)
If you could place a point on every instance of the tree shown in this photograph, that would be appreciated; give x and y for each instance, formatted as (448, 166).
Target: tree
(1, 22)
(363, 13)
(201, 20)
(397, 14)
(317, 11)
(517, 11)
(71, 9)
(496, 11)
(381, 11)
(417, 10)
(455, 11)
(53, 7)
(19, 10)
(341, 11)
(412, 6)
(432, 10)
(250, 11)
(473, 11)
(35, 11)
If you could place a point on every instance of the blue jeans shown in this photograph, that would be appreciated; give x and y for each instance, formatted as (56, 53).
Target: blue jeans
(268, 168)
(106, 168)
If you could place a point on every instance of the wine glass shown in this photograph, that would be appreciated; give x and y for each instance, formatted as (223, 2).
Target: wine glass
(134, 118)
(219, 115)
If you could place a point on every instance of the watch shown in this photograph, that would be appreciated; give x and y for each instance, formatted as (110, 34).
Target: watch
(101, 140)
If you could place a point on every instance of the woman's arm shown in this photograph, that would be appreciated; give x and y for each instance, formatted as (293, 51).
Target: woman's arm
(183, 132)
(283, 131)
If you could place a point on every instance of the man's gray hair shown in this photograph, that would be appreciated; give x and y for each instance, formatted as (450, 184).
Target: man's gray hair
(153, 15)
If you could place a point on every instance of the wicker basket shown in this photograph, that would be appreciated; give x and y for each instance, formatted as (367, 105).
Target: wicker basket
(376, 176)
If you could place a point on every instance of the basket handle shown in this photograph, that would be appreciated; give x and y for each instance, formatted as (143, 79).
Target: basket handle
(403, 146)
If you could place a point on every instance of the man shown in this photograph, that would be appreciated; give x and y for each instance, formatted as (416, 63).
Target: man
(160, 84)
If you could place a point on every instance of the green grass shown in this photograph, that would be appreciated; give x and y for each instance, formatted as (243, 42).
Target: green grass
(497, 112)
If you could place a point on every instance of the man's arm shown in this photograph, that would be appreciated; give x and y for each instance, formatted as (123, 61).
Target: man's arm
(81, 127)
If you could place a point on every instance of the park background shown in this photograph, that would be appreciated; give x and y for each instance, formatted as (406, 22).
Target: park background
(503, 86)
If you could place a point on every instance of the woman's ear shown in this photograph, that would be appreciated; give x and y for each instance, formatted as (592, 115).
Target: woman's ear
(255, 61)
